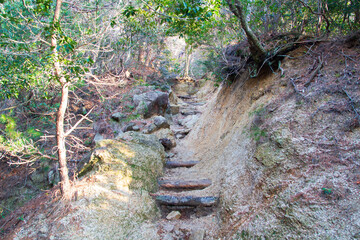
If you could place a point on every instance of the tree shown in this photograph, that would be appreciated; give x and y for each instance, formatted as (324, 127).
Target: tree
(60, 133)
(187, 19)
(257, 51)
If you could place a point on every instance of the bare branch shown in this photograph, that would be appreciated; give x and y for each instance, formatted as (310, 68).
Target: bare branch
(78, 122)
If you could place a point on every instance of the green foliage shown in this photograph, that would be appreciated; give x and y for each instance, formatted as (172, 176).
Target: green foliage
(257, 133)
(18, 144)
(189, 19)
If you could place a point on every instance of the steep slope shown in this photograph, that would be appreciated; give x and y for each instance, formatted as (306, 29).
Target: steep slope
(282, 151)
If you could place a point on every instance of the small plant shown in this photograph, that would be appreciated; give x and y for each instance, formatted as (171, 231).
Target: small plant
(2, 215)
(327, 191)
(257, 133)
(259, 111)
(132, 117)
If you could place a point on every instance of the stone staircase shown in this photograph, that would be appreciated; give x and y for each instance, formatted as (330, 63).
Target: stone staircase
(186, 207)
(176, 193)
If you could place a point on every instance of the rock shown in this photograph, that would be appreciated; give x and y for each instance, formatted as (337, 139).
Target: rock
(179, 136)
(166, 143)
(150, 129)
(161, 122)
(151, 103)
(185, 88)
(118, 116)
(175, 109)
(168, 227)
(135, 161)
(171, 200)
(173, 98)
(53, 177)
(189, 121)
(189, 112)
(174, 215)
(98, 137)
(129, 127)
(166, 133)
(169, 155)
(128, 74)
(197, 234)
(136, 128)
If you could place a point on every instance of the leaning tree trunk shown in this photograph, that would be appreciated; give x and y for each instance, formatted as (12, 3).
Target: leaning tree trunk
(60, 134)
(257, 51)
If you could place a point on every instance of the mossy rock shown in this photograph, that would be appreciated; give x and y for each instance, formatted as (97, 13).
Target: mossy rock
(135, 160)
(269, 155)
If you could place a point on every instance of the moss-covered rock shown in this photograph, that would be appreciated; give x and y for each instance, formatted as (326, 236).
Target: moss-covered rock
(135, 160)
(269, 155)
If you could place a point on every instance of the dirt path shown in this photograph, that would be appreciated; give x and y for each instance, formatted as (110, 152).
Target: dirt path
(188, 208)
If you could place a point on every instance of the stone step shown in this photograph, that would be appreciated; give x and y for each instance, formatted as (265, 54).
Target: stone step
(180, 201)
(176, 164)
(184, 184)
(189, 112)
(195, 103)
(184, 97)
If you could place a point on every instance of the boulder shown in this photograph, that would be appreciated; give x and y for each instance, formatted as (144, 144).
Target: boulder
(151, 103)
(134, 161)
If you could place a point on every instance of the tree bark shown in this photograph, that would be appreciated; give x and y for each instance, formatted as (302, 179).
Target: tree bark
(356, 7)
(188, 51)
(65, 186)
(141, 55)
(257, 51)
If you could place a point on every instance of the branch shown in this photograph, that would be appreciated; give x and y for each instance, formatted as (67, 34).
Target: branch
(9, 108)
(312, 76)
(78, 122)
(295, 88)
(319, 14)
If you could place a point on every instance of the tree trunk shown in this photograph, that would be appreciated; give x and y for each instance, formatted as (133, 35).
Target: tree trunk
(257, 51)
(356, 7)
(188, 51)
(60, 134)
(141, 55)
(148, 56)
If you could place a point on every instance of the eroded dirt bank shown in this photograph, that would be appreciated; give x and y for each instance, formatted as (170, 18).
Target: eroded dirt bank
(283, 151)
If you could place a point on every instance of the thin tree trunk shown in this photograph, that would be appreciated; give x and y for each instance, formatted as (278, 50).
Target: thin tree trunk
(148, 56)
(319, 18)
(188, 51)
(257, 51)
(60, 134)
(356, 7)
(141, 55)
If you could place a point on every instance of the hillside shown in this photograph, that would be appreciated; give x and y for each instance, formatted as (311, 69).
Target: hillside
(281, 151)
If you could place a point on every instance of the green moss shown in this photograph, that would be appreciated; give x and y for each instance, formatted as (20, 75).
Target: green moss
(136, 157)
(269, 155)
